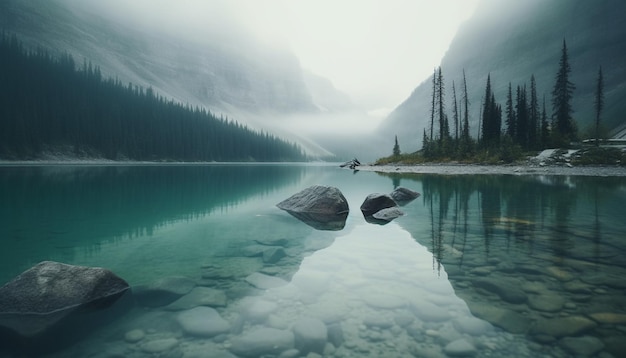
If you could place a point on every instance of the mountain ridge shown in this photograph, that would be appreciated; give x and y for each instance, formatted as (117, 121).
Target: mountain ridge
(510, 41)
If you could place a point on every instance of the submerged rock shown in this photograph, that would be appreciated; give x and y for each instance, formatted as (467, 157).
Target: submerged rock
(321, 207)
(310, 335)
(262, 341)
(388, 214)
(163, 291)
(52, 304)
(202, 322)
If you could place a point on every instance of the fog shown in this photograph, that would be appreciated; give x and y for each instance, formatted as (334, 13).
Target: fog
(375, 51)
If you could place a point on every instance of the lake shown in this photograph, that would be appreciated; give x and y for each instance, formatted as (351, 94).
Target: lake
(479, 265)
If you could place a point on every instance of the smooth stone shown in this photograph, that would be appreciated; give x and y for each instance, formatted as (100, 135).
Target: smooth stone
(199, 296)
(577, 287)
(548, 302)
(508, 320)
(508, 290)
(262, 341)
(377, 320)
(381, 300)
(608, 317)
(563, 326)
(259, 310)
(427, 311)
(203, 322)
(403, 320)
(472, 326)
(290, 353)
(559, 273)
(310, 335)
(134, 335)
(376, 202)
(163, 291)
(460, 348)
(264, 282)
(335, 334)
(582, 346)
(273, 255)
(159, 345)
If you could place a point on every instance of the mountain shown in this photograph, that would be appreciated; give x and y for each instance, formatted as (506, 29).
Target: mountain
(512, 40)
(225, 68)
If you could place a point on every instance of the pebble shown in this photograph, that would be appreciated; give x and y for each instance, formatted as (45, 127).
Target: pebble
(159, 345)
(202, 321)
(134, 335)
(460, 348)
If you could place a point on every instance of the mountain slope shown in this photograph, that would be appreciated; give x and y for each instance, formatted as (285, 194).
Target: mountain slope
(512, 40)
(224, 70)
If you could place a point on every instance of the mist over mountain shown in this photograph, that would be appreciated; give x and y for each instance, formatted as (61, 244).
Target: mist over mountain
(512, 40)
(224, 67)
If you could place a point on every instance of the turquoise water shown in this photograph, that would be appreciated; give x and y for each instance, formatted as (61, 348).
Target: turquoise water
(480, 265)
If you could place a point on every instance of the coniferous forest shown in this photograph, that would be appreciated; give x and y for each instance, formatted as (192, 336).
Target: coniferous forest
(53, 105)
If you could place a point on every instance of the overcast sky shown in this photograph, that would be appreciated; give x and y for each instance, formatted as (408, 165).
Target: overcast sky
(376, 51)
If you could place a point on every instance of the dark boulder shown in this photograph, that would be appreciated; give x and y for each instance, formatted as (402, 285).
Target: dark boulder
(403, 195)
(52, 304)
(376, 202)
(322, 207)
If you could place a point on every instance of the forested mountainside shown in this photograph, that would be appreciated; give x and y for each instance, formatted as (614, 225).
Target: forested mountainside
(226, 70)
(48, 105)
(511, 41)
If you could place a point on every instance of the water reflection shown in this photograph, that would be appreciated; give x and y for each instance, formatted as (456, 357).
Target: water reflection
(377, 294)
(48, 211)
(538, 256)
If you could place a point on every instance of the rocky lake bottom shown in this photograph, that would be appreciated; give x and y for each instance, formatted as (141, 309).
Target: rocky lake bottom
(479, 266)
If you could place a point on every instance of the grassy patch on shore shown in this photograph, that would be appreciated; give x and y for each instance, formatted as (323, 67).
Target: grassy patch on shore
(601, 156)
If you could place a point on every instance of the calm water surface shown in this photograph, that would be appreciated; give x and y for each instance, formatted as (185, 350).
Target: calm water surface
(489, 266)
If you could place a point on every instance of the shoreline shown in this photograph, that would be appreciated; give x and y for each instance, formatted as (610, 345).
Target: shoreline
(512, 169)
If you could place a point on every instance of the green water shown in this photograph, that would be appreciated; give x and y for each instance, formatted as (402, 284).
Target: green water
(488, 265)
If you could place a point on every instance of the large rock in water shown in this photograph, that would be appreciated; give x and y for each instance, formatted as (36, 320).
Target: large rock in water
(52, 304)
(375, 202)
(322, 207)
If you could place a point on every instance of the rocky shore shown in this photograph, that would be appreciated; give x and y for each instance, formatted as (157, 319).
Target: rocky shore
(508, 169)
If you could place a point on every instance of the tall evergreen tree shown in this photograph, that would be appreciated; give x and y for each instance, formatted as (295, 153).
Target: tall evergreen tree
(396, 148)
(564, 126)
(455, 110)
(533, 115)
(491, 118)
(444, 128)
(599, 103)
(545, 126)
(510, 114)
(432, 109)
(522, 118)
(465, 135)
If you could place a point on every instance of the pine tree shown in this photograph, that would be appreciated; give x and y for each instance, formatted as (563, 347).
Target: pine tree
(545, 126)
(396, 148)
(510, 114)
(455, 110)
(465, 135)
(491, 118)
(599, 103)
(533, 115)
(561, 101)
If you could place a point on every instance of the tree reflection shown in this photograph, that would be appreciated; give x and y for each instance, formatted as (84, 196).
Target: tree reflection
(512, 212)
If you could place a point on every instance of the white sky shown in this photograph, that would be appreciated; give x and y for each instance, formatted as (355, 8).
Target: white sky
(377, 51)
